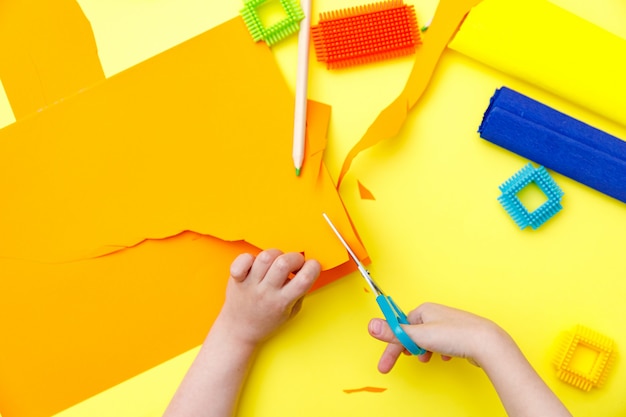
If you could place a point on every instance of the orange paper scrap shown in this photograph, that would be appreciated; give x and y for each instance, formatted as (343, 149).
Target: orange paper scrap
(197, 138)
(364, 389)
(448, 17)
(35, 72)
(364, 192)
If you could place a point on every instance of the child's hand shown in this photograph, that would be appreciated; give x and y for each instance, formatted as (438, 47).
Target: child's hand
(441, 329)
(260, 296)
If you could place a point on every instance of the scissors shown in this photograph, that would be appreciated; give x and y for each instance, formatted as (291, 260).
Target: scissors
(391, 311)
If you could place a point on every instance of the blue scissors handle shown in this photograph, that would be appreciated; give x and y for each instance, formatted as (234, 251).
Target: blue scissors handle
(395, 317)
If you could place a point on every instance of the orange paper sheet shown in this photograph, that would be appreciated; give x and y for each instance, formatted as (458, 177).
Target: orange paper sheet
(192, 139)
(448, 17)
(95, 323)
(70, 331)
(197, 138)
(35, 72)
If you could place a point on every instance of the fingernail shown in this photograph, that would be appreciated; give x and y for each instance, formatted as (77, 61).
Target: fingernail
(375, 327)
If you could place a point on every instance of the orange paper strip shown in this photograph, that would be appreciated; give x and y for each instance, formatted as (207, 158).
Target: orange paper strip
(364, 389)
(448, 17)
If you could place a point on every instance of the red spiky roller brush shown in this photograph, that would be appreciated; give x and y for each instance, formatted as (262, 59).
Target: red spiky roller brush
(364, 34)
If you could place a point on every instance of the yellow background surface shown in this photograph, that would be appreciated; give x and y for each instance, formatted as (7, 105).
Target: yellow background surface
(434, 233)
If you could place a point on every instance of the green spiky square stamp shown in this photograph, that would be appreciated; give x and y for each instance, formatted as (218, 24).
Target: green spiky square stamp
(274, 32)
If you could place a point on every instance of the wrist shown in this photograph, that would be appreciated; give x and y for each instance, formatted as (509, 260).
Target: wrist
(494, 345)
(231, 334)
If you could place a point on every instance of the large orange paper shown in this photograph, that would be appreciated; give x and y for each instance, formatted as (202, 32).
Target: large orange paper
(73, 329)
(196, 138)
(34, 70)
(95, 323)
(448, 17)
(111, 317)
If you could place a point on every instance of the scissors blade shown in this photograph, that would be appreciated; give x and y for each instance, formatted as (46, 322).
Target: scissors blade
(343, 241)
(364, 272)
(393, 314)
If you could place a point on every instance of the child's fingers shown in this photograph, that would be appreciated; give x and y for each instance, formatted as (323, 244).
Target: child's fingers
(280, 269)
(296, 307)
(303, 280)
(379, 329)
(241, 266)
(389, 357)
(420, 314)
(262, 264)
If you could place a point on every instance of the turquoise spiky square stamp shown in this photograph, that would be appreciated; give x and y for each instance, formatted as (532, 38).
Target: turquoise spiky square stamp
(511, 202)
(275, 32)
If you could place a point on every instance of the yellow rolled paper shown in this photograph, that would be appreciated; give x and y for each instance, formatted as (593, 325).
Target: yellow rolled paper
(549, 47)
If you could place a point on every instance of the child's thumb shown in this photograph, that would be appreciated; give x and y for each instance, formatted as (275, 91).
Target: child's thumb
(380, 330)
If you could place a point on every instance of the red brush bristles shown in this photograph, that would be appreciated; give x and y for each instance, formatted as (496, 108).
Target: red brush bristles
(364, 34)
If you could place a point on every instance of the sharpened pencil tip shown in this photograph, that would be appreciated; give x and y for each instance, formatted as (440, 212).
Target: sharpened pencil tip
(297, 172)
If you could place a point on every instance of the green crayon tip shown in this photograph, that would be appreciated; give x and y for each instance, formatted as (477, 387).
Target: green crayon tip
(297, 172)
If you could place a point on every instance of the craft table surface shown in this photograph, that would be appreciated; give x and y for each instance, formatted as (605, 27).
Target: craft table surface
(435, 232)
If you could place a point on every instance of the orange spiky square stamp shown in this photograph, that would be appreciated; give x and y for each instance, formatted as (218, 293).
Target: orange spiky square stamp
(584, 358)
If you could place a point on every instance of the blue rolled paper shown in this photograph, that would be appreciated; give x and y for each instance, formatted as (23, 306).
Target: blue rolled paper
(557, 141)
